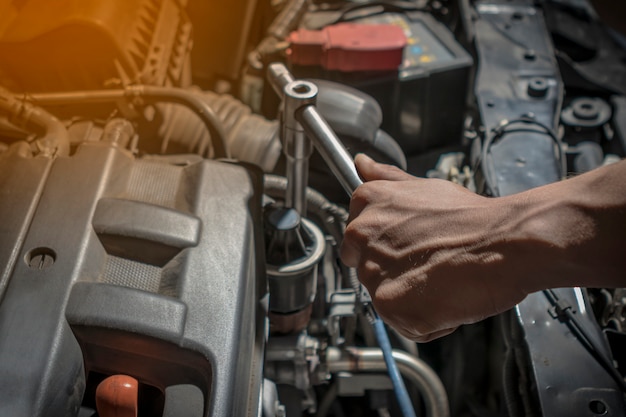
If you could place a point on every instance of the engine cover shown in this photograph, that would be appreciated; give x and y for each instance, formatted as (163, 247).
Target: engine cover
(113, 265)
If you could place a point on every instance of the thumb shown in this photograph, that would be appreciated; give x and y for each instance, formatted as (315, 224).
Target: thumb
(370, 170)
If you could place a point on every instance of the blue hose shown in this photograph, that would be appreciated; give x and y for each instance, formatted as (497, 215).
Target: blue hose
(406, 406)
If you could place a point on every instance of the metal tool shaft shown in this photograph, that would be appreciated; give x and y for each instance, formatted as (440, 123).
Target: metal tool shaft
(302, 114)
(330, 147)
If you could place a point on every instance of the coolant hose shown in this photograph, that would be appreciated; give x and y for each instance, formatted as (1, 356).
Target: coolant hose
(249, 137)
(150, 93)
(55, 142)
(413, 369)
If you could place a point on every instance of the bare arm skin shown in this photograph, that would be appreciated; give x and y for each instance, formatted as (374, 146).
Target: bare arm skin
(435, 256)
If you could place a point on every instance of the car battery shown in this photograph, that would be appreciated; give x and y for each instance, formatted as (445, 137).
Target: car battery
(424, 99)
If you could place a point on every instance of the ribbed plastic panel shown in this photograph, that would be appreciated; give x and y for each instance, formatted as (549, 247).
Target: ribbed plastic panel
(91, 44)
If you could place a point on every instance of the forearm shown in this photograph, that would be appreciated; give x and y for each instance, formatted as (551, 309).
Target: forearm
(434, 255)
(574, 231)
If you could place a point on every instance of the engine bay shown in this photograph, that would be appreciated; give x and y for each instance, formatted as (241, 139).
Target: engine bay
(174, 184)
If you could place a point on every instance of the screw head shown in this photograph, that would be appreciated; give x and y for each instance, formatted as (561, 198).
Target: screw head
(40, 258)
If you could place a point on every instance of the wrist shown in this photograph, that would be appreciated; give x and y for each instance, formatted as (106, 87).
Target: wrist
(570, 233)
(549, 232)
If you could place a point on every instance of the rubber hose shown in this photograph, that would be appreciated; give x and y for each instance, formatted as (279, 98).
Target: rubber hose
(150, 93)
(327, 400)
(55, 142)
(416, 371)
(402, 395)
(249, 136)
(510, 383)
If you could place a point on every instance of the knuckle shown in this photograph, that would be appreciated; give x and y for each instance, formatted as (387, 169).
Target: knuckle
(349, 254)
(393, 170)
(365, 193)
(353, 235)
(369, 273)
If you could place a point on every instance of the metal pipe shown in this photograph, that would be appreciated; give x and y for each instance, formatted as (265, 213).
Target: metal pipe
(150, 93)
(288, 19)
(297, 147)
(75, 97)
(415, 370)
(330, 147)
(55, 142)
(298, 176)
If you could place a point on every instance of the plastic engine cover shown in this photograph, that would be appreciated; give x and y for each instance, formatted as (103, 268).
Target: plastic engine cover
(111, 265)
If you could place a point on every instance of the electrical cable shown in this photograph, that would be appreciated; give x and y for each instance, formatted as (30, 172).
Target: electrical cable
(504, 128)
(565, 314)
(382, 6)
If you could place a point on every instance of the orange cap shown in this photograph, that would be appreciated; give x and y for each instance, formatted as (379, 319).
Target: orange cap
(116, 396)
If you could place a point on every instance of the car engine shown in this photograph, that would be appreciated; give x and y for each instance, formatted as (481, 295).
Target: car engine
(174, 184)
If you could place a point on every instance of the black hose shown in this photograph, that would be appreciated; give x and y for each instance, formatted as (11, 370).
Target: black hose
(510, 374)
(249, 136)
(202, 109)
(383, 5)
(510, 383)
(327, 401)
(149, 93)
(55, 142)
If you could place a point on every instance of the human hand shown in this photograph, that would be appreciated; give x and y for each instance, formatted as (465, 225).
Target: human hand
(432, 254)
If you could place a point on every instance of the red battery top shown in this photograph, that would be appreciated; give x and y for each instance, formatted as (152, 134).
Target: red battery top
(349, 47)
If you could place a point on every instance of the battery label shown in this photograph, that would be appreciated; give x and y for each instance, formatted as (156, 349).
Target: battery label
(422, 48)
